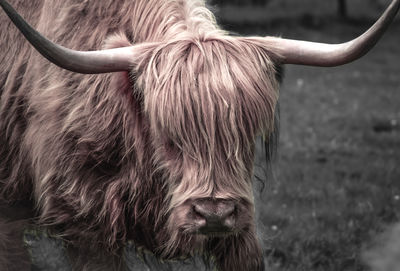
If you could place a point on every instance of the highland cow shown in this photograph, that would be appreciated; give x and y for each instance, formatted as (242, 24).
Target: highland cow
(150, 139)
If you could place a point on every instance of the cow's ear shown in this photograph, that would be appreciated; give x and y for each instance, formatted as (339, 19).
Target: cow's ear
(122, 80)
(126, 83)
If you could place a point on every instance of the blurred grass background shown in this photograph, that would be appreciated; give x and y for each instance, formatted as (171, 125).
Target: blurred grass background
(337, 174)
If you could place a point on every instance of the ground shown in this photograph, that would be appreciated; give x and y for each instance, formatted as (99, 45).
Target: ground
(337, 176)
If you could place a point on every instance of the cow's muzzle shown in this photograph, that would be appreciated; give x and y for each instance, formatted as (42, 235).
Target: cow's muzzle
(214, 216)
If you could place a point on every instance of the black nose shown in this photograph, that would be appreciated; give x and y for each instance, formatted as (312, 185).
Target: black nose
(214, 215)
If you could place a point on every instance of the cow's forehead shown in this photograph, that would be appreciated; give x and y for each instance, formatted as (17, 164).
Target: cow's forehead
(209, 93)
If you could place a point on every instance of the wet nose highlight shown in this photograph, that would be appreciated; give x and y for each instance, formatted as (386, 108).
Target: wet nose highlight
(217, 215)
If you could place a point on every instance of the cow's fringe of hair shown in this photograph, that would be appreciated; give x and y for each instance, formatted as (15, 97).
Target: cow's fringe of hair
(214, 85)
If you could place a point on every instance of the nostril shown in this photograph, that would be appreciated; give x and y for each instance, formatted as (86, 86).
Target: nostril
(229, 222)
(227, 210)
(198, 217)
(200, 211)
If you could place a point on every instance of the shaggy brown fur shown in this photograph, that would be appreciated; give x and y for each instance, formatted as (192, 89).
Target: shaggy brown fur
(112, 157)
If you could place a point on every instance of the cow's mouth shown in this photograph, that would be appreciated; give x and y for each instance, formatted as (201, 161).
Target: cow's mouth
(213, 230)
(216, 233)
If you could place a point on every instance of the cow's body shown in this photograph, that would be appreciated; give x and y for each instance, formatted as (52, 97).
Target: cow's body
(90, 151)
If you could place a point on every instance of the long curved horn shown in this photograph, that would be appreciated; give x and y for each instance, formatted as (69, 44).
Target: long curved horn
(91, 62)
(329, 55)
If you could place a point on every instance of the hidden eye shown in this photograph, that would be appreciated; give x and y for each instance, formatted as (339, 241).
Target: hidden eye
(171, 148)
(170, 144)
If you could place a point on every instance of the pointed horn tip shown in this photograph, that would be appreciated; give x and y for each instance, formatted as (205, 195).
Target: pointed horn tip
(330, 55)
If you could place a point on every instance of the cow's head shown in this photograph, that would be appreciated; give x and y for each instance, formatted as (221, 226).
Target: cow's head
(206, 100)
